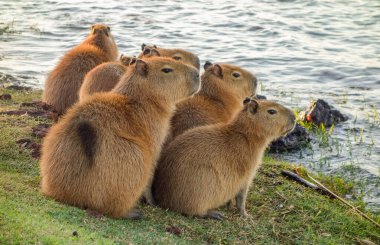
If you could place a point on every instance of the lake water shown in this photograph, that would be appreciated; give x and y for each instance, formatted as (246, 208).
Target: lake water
(299, 50)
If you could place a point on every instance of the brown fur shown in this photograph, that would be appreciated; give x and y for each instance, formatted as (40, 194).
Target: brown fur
(104, 77)
(207, 166)
(175, 53)
(218, 100)
(63, 82)
(102, 153)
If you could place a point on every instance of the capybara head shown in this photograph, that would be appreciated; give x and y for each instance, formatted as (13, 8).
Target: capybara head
(241, 81)
(175, 53)
(168, 78)
(127, 60)
(102, 37)
(270, 118)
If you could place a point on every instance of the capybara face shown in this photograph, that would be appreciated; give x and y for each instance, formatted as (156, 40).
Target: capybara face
(170, 78)
(176, 54)
(270, 118)
(241, 81)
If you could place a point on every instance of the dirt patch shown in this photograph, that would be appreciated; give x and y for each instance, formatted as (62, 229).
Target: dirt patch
(31, 145)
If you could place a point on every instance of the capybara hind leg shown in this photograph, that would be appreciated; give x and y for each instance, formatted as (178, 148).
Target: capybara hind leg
(240, 201)
(212, 214)
(148, 197)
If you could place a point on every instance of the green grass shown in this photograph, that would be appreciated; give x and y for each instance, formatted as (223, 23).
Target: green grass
(283, 211)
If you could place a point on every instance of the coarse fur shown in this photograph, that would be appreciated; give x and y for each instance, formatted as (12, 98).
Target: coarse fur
(207, 166)
(218, 100)
(64, 81)
(105, 76)
(102, 153)
(174, 53)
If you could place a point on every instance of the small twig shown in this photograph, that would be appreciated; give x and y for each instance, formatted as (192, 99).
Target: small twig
(304, 182)
(344, 201)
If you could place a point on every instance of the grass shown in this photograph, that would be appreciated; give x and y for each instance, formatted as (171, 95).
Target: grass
(284, 212)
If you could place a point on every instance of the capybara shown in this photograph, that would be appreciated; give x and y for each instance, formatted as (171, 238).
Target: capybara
(105, 76)
(64, 81)
(223, 87)
(207, 166)
(174, 53)
(102, 153)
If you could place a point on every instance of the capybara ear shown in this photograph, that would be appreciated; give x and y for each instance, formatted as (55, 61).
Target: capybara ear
(149, 52)
(141, 67)
(218, 71)
(143, 46)
(246, 100)
(133, 60)
(253, 106)
(93, 30)
(207, 65)
(125, 59)
(92, 27)
(108, 29)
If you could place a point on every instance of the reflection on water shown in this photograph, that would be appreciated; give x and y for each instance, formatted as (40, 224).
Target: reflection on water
(300, 50)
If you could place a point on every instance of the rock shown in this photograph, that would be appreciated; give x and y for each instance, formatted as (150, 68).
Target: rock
(320, 112)
(5, 97)
(294, 140)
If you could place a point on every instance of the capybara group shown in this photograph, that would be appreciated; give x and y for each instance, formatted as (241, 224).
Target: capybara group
(102, 153)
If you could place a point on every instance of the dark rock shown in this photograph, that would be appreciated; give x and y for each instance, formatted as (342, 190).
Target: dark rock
(294, 140)
(174, 230)
(320, 112)
(75, 233)
(5, 97)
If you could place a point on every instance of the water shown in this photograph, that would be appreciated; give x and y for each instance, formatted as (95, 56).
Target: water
(299, 50)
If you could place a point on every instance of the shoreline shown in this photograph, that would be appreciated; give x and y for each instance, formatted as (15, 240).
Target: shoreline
(283, 210)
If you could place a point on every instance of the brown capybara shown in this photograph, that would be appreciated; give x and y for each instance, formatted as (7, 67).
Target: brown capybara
(105, 76)
(63, 82)
(207, 166)
(174, 53)
(223, 87)
(102, 153)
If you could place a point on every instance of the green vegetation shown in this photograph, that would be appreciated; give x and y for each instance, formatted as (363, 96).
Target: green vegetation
(283, 211)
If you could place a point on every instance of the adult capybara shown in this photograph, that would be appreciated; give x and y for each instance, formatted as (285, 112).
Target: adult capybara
(223, 87)
(207, 166)
(174, 53)
(64, 81)
(105, 76)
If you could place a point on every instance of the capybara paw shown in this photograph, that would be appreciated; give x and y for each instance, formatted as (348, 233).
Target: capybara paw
(245, 215)
(134, 214)
(214, 215)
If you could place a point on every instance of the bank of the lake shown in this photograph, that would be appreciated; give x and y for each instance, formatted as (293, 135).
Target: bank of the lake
(283, 211)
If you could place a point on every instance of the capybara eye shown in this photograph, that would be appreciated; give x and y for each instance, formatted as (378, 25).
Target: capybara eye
(272, 111)
(177, 58)
(235, 74)
(167, 70)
